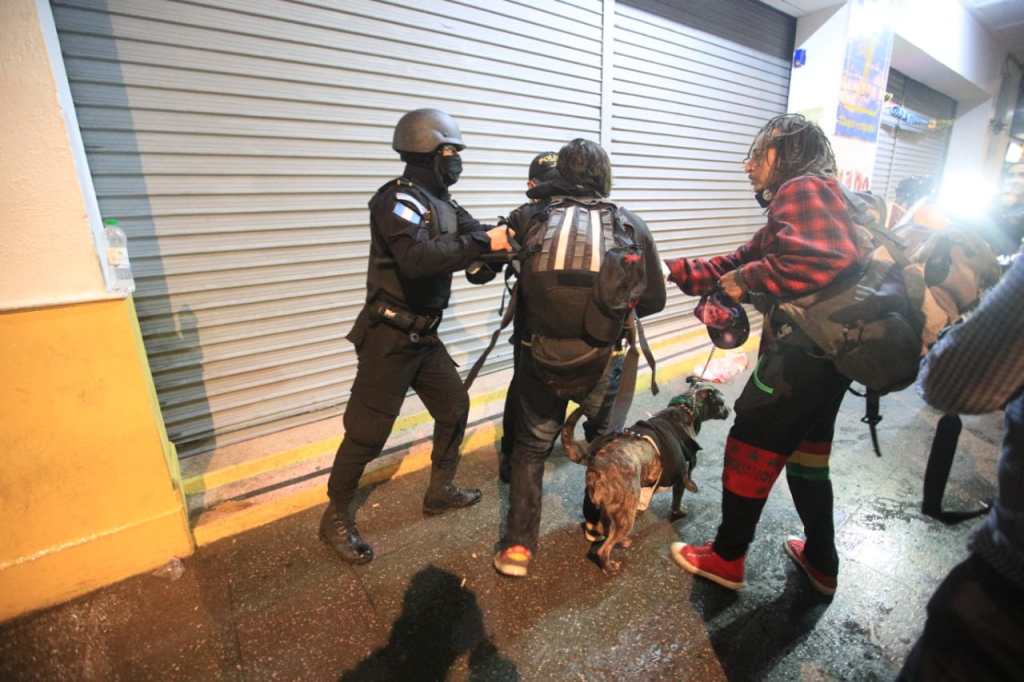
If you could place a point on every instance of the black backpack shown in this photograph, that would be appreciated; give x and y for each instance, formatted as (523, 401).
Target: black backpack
(581, 273)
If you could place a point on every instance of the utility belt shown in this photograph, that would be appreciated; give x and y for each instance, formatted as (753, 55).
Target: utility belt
(416, 326)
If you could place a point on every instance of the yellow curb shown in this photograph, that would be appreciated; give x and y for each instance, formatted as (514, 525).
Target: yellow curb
(232, 518)
(233, 473)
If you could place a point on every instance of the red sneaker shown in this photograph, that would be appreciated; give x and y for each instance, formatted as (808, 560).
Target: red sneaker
(825, 584)
(513, 561)
(703, 561)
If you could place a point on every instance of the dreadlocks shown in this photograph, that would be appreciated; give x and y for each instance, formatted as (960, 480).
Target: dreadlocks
(801, 148)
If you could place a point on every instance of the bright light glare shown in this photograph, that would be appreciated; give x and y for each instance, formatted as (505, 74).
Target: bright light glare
(1014, 153)
(965, 195)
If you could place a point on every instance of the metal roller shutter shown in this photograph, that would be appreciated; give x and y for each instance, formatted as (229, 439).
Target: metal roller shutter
(903, 153)
(884, 149)
(238, 141)
(693, 82)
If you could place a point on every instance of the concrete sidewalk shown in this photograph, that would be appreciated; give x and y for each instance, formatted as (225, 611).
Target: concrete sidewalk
(273, 603)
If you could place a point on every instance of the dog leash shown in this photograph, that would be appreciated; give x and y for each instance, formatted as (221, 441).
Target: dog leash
(708, 361)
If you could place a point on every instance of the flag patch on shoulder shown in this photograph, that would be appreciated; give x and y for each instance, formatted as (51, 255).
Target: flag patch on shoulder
(406, 213)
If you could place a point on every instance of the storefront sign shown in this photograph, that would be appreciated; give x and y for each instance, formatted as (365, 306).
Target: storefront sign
(907, 119)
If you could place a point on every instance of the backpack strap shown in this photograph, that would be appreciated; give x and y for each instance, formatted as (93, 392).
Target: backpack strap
(627, 383)
(506, 319)
(648, 355)
(936, 474)
(871, 416)
(855, 208)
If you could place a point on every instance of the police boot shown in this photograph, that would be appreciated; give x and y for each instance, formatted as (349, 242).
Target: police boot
(338, 531)
(443, 495)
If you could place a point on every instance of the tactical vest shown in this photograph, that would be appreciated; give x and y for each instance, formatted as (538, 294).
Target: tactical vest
(424, 295)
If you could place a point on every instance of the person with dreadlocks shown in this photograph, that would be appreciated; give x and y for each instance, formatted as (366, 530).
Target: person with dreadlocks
(786, 414)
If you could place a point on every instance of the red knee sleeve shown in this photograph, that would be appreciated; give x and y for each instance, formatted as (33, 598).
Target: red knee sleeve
(750, 471)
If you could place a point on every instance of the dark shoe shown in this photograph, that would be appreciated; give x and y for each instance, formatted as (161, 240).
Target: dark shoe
(343, 537)
(451, 497)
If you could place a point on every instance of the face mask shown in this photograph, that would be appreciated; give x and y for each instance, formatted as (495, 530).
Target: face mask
(447, 169)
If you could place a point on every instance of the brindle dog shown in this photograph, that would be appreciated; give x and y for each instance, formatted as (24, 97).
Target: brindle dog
(658, 451)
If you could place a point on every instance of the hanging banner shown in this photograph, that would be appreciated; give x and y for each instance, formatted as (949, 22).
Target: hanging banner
(865, 70)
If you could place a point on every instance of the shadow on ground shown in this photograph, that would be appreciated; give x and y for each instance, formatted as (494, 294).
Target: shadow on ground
(273, 603)
(440, 621)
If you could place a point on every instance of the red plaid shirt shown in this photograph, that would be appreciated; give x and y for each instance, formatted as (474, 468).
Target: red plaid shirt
(807, 242)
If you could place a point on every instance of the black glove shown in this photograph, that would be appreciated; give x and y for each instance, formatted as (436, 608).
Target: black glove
(479, 272)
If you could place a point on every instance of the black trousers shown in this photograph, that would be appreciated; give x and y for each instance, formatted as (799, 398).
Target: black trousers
(539, 416)
(788, 406)
(389, 365)
(592, 427)
(974, 631)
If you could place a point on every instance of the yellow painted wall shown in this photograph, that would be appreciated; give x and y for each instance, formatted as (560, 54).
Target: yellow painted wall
(48, 253)
(89, 492)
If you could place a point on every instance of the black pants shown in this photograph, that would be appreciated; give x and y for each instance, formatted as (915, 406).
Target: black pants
(539, 416)
(974, 631)
(788, 407)
(390, 364)
(592, 427)
(508, 416)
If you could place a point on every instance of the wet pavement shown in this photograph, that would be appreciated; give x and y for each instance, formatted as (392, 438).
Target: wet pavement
(272, 603)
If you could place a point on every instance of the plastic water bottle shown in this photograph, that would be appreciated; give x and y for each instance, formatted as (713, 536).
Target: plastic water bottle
(117, 258)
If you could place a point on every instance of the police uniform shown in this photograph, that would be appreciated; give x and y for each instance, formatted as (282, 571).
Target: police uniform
(420, 235)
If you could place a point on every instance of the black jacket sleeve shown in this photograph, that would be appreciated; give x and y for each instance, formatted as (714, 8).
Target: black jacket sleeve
(471, 226)
(416, 253)
(520, 217)
(653, 299)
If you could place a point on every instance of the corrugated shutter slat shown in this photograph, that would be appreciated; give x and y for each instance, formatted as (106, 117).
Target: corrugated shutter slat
(692, 85)
(238, 141)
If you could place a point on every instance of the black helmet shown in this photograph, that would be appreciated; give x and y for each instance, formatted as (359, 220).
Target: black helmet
(424, 130)
(726, 320)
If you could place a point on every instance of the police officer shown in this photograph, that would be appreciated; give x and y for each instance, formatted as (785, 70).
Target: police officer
(419, 236)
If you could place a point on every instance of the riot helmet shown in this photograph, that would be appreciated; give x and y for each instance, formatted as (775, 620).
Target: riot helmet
(424, 130)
